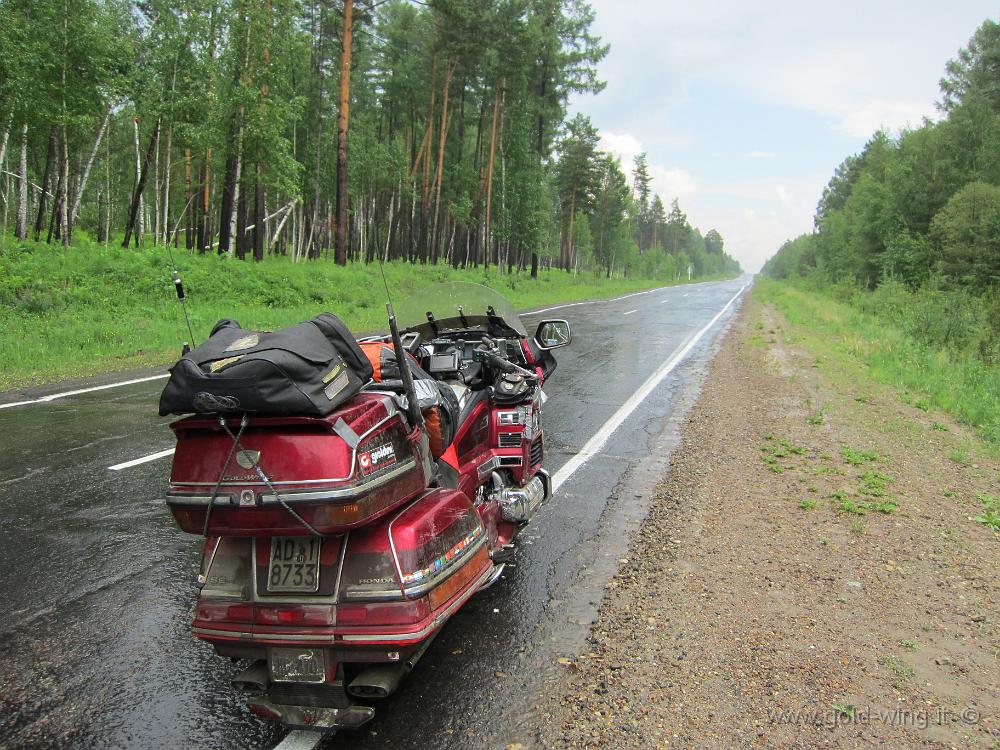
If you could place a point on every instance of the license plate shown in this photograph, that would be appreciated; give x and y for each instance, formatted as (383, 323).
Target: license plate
(294, 564)
(297, 665)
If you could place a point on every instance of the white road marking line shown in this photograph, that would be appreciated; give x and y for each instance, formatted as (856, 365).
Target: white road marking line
(684, 295)
(615, 299)
(300, 739)
(143, 460)
(629, 312)
(592, 446)
(54, 396)
(664, 301)
(595, 301)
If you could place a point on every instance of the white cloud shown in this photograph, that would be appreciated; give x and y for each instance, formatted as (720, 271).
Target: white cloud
(672, 183)
(759, 155)
(783, 195)
(623, 145)
(668, 182)
(891, 115)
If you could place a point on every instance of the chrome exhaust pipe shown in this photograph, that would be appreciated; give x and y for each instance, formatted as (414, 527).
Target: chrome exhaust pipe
(381, 680)
(494, 576)
(253, 679)
(518, 504)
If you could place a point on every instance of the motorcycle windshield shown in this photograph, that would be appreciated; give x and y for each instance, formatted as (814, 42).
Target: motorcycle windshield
(456, 306)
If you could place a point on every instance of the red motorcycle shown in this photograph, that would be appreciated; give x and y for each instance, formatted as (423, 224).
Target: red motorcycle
(339, 541)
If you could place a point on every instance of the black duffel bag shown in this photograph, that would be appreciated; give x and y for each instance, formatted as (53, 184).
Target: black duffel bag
(308, 369)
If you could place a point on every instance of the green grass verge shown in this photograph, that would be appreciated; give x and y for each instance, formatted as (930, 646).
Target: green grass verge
(964, 386)
(92, 309)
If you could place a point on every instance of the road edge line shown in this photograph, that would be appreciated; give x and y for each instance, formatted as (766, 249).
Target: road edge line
(77, 392)
(599, 438)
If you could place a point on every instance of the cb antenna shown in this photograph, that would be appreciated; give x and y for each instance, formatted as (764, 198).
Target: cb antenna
(412, 407)
(179, 286)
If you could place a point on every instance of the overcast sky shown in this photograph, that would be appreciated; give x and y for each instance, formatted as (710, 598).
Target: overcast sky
(745, 108)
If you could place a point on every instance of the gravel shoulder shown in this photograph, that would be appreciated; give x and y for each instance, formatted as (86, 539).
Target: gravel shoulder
(810, 574)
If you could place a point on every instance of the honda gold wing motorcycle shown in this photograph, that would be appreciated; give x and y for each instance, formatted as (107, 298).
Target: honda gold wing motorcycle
(351, 504)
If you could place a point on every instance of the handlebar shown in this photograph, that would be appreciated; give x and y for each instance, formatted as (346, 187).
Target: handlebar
(507, 366)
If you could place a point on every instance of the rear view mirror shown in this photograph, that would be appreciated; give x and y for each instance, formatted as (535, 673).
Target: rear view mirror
(551, 334)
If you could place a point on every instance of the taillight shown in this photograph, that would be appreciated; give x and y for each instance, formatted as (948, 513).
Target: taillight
(459, 580)
(211, 610)
(383, 613)
(433, 538)
(369, 571)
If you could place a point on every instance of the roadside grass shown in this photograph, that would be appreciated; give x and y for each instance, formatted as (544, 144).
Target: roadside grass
(776, 449)
(855, 457)
(864, 345)
(991, 511)
(816, 417)
(900, 671)
(91, 309)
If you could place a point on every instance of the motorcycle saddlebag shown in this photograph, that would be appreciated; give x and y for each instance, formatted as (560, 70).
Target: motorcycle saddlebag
(308, 369)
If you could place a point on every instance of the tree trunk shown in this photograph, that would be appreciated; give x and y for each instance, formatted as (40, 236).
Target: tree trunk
(46, 176)
(138, 174)
(425, 178)
(489, 172)
(106, 229)
(388, 234)
(237, 179)
(75, 214)
(449, 71)
(165, 221)
(64, 197)
(3, 142)
(21, 224)
(258, 217)
(312, 250)
(241, 223)
(55, 208)
(204, 238)
(188, 199)
(227, 205)
(135, 209)
(343, 115)
(569, 231)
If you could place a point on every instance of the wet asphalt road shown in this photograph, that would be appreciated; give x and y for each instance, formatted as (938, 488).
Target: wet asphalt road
(98, 583)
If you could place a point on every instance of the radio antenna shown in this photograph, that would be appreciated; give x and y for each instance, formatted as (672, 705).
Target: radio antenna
(179, 288)
(412, 407)
(381, 268)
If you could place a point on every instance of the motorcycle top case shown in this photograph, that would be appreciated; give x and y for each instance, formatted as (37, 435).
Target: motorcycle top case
(337, 472)
(308, 369)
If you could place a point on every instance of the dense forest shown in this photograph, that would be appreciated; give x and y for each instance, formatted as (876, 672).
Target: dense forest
(429, 132)
(916, 218)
